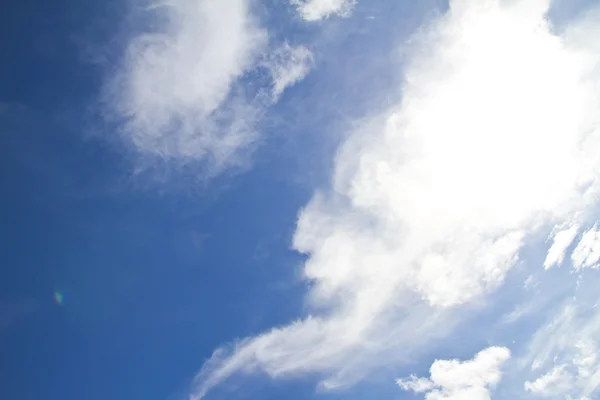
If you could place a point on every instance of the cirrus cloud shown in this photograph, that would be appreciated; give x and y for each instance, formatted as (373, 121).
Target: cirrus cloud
(564, 354)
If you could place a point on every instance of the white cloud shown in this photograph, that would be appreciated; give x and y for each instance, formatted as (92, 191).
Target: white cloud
(287, 66)
(176, 90)
(454, 380)
(567, 349)
(587, 251)
(496, 137)
(561, 242)
(313, 10)
(558, 380)
(520, 311)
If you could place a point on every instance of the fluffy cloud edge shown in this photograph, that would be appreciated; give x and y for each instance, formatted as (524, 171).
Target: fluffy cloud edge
(387, 259)
(455, 379)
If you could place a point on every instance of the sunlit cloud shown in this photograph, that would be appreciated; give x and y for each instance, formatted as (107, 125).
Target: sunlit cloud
(560, 243)
(587, 252)
(431, 201)
(455, 379)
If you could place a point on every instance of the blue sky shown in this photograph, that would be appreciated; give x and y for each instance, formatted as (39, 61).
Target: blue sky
(336, 199)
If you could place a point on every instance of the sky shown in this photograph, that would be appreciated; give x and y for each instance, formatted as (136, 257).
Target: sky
(300, 199)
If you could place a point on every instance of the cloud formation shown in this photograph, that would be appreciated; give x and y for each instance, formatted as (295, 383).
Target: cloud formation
(564, 354)
(495, 139)
(558, 380)
(314, 10)
(587, 252)
(560, 244)
(454, 379)
(176, 92)
(288, 65)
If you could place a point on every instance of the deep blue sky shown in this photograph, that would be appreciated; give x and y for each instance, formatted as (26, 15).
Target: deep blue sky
(159, 264)
(154, 275)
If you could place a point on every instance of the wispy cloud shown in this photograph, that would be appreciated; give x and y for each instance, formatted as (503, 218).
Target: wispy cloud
(177, 93)
(431, 200)
(288, 65)
(455, 379)
(558, 380)
(564, 354)
(587, 252)
(313, 10)
(561, 241)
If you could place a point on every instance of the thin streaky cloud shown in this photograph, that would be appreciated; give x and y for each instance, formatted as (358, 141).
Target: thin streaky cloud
(563, 356)
(560, 243)
(288, 65)
(587, 252)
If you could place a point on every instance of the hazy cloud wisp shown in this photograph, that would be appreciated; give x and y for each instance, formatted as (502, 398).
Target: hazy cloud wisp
(176, 90)
(288, 65)
(314, 10)
(564, 354)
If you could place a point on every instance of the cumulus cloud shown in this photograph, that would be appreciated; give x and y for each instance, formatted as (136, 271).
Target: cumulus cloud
(176, 92)
(288, 65)
(454, 379)
(496, 138)
(313, 10)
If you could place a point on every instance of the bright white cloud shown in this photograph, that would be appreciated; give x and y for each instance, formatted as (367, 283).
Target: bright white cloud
(176, 90)
(587, 251)
(560, 243)
(496, 137)
(287, 66)
(313, 10)
(455, 380)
